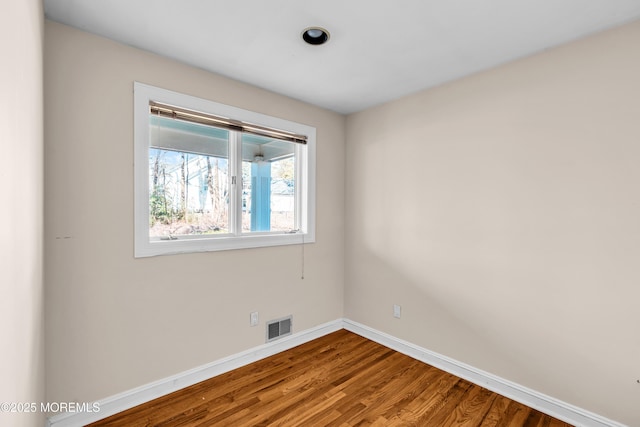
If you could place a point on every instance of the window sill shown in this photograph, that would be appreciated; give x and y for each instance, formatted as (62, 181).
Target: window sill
(223, 243)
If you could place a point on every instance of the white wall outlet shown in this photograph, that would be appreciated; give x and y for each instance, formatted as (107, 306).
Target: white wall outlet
(253, 319)
(396, 311)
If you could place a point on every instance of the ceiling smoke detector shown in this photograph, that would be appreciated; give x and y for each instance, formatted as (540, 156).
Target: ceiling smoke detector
(315, 35)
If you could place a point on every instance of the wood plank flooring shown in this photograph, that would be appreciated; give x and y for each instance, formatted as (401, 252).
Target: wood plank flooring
(341, 380)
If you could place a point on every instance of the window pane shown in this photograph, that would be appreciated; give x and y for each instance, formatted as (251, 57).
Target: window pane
(268, 184)
(188, 179)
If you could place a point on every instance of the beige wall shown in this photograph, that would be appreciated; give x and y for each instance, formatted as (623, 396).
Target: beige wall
(21, 290)
(502, 212)
(115, 322)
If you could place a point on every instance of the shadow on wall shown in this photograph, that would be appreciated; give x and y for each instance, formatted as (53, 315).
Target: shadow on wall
(475, 322)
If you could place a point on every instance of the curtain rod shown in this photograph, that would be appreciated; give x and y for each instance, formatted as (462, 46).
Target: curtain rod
(177, 113)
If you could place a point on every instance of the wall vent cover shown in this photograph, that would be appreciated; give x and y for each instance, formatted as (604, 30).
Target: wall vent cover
(279, 328)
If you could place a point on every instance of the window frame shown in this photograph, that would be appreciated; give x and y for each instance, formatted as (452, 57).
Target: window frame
(305, 180)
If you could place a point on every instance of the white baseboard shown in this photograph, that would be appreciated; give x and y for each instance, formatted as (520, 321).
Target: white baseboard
(126, 400)
(546, 404)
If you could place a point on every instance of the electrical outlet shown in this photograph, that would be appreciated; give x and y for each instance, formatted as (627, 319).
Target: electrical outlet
(396, 311)
(253, 319)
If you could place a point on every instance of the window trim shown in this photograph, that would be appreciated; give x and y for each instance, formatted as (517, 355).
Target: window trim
(144, 247)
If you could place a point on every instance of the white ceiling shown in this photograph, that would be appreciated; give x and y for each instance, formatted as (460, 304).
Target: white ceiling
(378, 51)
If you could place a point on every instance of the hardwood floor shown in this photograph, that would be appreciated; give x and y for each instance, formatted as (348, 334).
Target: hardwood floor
(340, 380)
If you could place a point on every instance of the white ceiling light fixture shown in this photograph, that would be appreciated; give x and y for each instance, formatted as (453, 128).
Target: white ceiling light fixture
(315, 35)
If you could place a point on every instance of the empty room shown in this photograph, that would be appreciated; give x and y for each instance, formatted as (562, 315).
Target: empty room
(343, 213)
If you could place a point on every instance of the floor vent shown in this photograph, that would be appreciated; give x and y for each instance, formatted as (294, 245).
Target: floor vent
(278, 328)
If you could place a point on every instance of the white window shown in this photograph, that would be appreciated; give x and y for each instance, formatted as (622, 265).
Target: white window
(212, 177)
